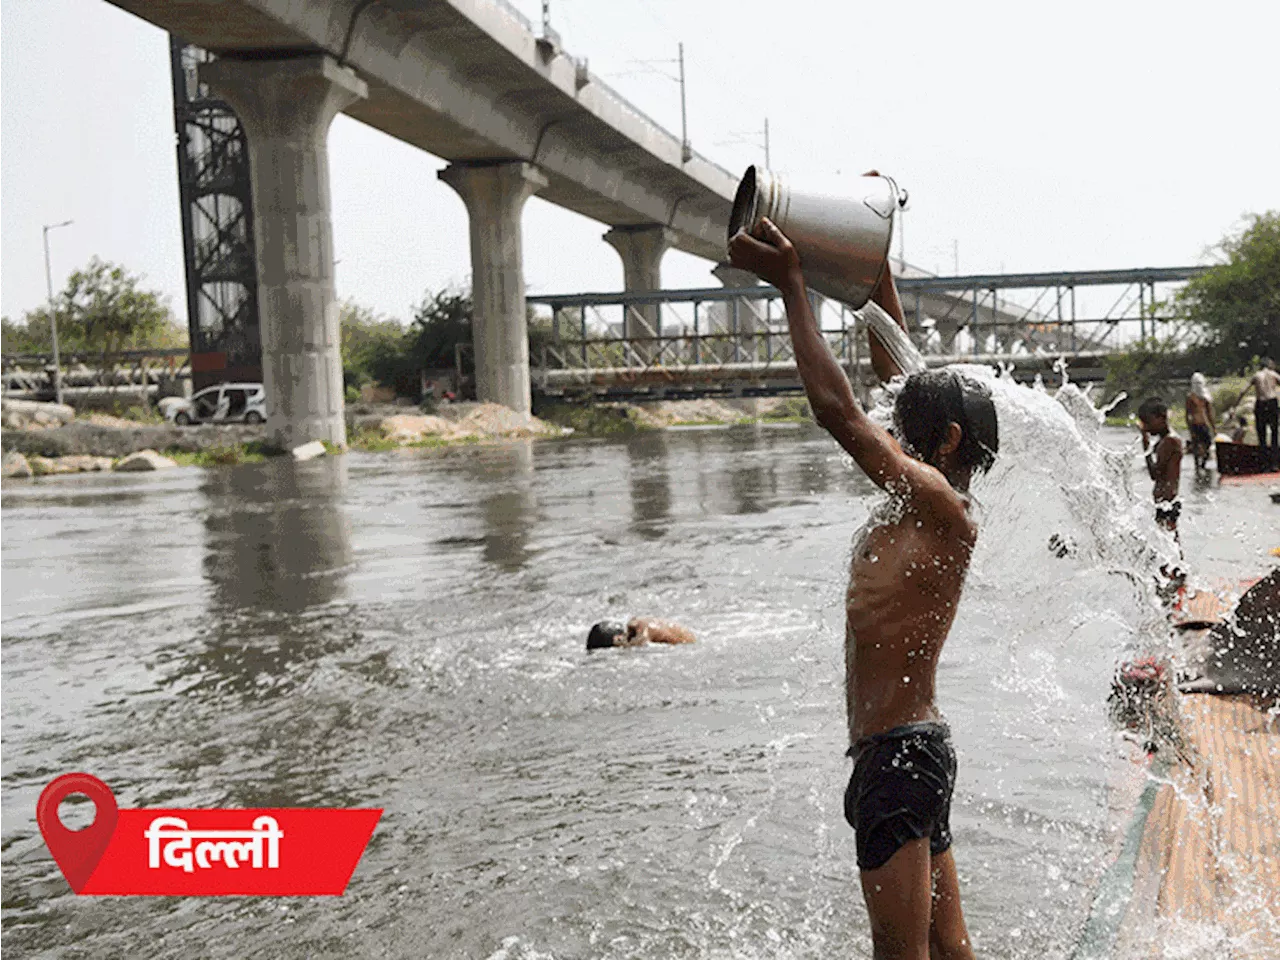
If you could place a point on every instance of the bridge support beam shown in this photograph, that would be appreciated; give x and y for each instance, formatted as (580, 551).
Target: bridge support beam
(641, 249)
(495, 194)
(286, 107)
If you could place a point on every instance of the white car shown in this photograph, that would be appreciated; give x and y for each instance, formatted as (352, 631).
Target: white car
(225, 403)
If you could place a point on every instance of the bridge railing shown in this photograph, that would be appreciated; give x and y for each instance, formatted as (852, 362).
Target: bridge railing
(686, 327)
(946, 316)
(134, 372)
(759, 351)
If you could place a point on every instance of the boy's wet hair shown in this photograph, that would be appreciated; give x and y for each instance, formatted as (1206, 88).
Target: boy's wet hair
(932, 399)
(1153, 407)
(605, 635)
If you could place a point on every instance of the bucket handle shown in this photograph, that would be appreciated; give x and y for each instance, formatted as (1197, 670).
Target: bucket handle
(899, 201)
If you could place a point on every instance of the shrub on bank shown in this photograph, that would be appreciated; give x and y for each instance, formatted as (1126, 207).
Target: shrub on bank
(1227, 393)
(230, 455)
(594, 420)
(789, 408)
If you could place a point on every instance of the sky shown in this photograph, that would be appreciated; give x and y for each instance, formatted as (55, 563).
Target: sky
(1031, 136)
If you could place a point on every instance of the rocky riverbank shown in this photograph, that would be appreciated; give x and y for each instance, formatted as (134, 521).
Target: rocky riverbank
(42, 438)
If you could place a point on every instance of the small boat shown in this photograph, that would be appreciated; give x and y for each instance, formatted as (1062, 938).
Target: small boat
(1196, 808)
(1243, 459)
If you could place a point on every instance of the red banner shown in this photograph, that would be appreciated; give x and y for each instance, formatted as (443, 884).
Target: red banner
(171, 852)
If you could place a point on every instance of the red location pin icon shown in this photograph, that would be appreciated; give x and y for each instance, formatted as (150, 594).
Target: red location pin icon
(77, 852)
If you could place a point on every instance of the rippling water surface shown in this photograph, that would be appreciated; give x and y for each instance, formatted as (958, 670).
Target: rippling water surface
(407, 631)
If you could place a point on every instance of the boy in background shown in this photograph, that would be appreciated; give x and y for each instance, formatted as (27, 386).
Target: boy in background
(1200, 420)
(1162, 451)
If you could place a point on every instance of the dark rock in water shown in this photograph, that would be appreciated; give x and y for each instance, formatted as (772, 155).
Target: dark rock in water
(1241, 655)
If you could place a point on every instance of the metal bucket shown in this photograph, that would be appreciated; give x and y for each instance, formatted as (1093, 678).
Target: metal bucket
(843, 241)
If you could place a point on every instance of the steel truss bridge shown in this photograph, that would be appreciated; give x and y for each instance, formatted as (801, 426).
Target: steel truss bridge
(734, 342)
(130, 375)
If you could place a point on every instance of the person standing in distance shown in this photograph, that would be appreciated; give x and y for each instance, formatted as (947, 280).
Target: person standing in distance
(1265, 385)
(1199, 408)
(1164, 461)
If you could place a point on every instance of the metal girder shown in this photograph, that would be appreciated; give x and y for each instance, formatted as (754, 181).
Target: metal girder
(1068, 278)
(961, 284)
(217, 228)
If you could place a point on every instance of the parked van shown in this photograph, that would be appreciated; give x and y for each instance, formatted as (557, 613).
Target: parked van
(225, 403)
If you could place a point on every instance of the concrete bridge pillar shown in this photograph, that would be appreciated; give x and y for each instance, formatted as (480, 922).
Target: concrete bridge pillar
(286, 107)
(641, 249)
(748, 318)
(494, 194)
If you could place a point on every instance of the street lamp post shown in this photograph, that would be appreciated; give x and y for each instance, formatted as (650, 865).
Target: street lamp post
(53, 313)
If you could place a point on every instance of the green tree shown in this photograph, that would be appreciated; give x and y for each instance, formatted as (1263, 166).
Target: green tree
(102, 310)
(376, 349)
(112, 313)
(368, 341)
(1154, 367)
(441, 322)
(13, 337)
(1236, 304)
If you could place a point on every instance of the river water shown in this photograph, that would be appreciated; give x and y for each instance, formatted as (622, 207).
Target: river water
(407, 631)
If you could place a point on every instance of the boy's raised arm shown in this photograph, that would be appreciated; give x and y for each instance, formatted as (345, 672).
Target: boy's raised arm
(828, 389)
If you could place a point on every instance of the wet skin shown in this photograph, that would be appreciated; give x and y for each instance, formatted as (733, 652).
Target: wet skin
(904, 585)
(641, 630)
(1163, 458)
(1199, 410)
(1199, 413)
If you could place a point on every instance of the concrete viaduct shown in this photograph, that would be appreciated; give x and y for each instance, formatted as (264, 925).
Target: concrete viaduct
(468, 81)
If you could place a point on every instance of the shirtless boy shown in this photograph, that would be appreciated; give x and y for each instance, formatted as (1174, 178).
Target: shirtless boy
(638, 632)
(1164, 461)
(1200, 420)
(1265, 385)
(909, 565)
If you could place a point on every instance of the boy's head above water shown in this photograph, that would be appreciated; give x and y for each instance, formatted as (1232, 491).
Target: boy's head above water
(949, 421)
(1154, 415)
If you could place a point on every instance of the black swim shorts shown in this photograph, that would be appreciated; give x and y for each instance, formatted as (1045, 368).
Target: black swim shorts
(901, 790)
(1200, 433)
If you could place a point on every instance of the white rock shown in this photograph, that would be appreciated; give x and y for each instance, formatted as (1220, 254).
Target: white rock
(22, 413)
(144, 460)
(44, 466)
(15, 465)
(406, 428)
(309, 451)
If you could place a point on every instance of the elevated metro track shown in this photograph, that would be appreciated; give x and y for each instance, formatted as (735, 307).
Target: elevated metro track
(469, 81)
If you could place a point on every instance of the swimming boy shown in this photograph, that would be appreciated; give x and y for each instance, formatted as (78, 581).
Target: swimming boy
(1164, 461)
(1200, 420)
(638, 632)
(908, 568)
